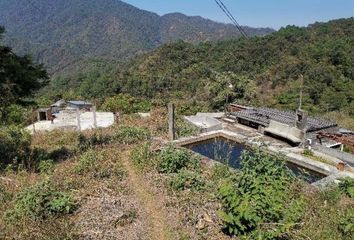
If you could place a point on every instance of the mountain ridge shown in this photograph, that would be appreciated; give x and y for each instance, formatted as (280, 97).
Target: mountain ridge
(62, 33)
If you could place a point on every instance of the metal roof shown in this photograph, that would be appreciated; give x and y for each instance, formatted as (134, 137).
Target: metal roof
(263, 116)
(78, 102)
(58, 103)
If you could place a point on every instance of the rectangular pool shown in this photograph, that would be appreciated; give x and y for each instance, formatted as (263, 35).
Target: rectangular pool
(229, 152)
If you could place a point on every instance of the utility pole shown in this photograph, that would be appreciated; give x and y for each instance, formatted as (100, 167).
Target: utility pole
(301, 89)
(94, 116)
(171, 121)
(78, 119)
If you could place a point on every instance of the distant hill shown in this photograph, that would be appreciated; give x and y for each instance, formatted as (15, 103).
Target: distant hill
(63, 34)
(264, 71)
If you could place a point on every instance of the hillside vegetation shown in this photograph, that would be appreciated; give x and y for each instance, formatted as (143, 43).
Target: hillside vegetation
(262, 70)
(63, 34)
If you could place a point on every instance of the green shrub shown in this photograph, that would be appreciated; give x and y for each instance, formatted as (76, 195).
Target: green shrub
(258, 203)
(186, 180)
(46, 166)
(14, 146)
(124, 103)
(142, 155)
(39, 202)
(346, 225)
(346, 186)
(221, 172)
(97, 139)
(185, 129)
(87, 161)
(172, 160)
(131, 135)
(15, 115)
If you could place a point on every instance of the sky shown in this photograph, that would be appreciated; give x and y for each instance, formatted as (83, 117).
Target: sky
(256, 13)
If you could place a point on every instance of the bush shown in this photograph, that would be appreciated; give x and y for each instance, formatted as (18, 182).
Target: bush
(185, 129)
(87, 161)
(124, 103)
(46, 166)
(172, 160)
(131, 135)
(258, 203)
(187, 180)
(97, 139)
(14, 146)
(142, 155)
(15, 115)
(39, 202)
(346, 225)
(346, 186)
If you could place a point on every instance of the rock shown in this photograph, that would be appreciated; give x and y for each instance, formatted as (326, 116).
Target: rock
(207, 218)
(201, 224)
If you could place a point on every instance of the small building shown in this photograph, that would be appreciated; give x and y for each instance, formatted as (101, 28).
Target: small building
(82, 105)
(57, 106)
(44, 114)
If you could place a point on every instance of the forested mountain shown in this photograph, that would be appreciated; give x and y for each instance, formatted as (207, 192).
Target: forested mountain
(65, 33)
(263, 71)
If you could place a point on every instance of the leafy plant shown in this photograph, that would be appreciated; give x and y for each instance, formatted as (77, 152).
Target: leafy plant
(142, 155)
(346, 225)
(39, 202)
(257, 202)
(46, 166)
(14, 146)
(346, 186)
(172, 160)
(186, 179)
(96, 139)
(124, 103)
(87, 161)
(131, 135)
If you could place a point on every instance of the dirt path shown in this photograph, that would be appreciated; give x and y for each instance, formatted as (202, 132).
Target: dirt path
(159, 227)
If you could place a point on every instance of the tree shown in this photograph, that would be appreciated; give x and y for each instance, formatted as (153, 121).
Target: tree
(19, 77)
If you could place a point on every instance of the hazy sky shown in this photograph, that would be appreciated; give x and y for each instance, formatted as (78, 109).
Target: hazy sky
(256, 13)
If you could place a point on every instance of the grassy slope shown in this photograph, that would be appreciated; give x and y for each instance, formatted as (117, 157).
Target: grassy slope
(118, 198)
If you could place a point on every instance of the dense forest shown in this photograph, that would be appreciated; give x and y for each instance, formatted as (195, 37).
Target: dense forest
(262, 70)
(63, 34)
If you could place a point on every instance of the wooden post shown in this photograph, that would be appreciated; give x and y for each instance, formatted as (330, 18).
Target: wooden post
(78, 119)
(94, 117)
(171, 121)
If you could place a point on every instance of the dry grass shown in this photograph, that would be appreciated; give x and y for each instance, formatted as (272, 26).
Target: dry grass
(342, 119)
(117, 200)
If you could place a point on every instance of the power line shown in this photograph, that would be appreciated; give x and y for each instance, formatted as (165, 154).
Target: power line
(231, 17)
(240, 27)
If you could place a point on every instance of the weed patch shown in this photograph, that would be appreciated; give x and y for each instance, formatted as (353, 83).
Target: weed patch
(142, 156)
(87, 161)
(172, 160)
(187, 180)
(346, 186)
(258, 203)
(131, 135)
(39, 202)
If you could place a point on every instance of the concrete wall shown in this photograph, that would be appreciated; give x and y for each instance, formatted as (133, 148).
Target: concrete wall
(345, 157)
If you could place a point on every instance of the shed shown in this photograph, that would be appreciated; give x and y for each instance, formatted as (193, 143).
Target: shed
(82, 105)
(44, 114)
(57, 106)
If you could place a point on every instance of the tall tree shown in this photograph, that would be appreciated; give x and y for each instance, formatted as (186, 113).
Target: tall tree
(19, 77)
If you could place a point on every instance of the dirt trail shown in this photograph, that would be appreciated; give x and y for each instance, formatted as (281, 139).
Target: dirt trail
(159, 226)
